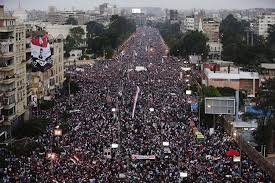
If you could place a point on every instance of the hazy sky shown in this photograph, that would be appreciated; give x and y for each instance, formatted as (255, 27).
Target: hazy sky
(178, 4)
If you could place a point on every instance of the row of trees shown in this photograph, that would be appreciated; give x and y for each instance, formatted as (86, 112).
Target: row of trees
(104, 41)
(190, 43)
(101, 41)
(244, 47)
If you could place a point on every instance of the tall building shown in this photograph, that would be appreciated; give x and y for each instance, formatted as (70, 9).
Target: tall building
(189, 24)
(263, 23)
(12, 69)
(211, 28)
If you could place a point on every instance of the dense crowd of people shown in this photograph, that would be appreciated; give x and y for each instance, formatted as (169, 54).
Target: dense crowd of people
(136, 101)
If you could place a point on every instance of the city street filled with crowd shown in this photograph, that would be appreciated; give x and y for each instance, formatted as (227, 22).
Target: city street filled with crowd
(132, 122)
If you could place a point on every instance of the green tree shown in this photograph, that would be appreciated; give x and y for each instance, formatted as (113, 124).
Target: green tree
(74, 39)
(102, 40)
(71, 21)
(74, 86)
(237, 47)
(229, 92)
(31, 128)
(193, 43)
(271, 37)
(266, 122)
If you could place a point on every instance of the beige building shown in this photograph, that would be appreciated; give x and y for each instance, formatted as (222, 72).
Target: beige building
(211, 29)
(12, 69)
(47, 82)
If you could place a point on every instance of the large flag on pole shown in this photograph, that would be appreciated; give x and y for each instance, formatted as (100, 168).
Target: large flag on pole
(135, 102)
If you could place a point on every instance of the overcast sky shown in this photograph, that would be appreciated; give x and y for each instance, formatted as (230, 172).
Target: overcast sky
(178, 4)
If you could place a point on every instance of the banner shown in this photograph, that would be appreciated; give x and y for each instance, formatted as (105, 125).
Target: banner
(41, 53)
(135, 102)
(34, 100)
(143, 157)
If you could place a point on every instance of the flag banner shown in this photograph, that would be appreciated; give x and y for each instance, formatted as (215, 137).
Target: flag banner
(135, 102)
(75, 159)
(41, 53)
(143, 157)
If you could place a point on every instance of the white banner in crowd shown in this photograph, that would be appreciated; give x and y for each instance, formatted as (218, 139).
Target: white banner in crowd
(143, 157)
(135, 102)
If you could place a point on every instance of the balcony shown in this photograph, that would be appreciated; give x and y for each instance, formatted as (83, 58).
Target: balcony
(9, 91)
(8, 80)
(7, 40)
(9, 106)
(7, 68)
(7, 29)
(9, 119)
(9, 54)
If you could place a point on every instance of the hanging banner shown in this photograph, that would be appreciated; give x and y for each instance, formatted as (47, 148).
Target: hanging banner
(41, 53)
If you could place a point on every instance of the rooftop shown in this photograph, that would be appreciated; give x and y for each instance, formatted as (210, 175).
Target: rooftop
(268, 66)
(233, 75)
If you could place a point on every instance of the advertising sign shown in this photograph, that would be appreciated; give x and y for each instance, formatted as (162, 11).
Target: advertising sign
(41, 53)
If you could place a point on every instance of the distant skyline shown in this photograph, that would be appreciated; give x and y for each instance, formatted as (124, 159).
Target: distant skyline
(175, 4)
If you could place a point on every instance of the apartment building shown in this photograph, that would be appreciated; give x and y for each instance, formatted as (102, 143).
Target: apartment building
(189, 24)
(263, 23)
(211, 29)
(48, 82)
(12, 69)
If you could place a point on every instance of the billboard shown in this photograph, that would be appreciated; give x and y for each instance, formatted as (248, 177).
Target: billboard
(136, 11)
(220, 105)
(40, 53)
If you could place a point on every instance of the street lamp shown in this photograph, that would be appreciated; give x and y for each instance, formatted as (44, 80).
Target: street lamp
(151, 109)
(183, 174)
(51, 156)
(113, 109)
(57, 132)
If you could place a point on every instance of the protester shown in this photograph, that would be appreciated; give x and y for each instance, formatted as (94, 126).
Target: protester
(105, 103)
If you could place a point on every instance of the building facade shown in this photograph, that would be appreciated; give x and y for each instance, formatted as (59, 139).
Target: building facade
(211, 28)
(263, 23)
(189, 24)
(12, 69)
(233, 78)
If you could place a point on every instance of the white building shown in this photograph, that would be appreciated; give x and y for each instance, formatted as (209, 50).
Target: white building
(263, 23)
(189, 24)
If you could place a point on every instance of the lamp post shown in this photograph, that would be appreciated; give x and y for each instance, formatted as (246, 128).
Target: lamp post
(52, 157)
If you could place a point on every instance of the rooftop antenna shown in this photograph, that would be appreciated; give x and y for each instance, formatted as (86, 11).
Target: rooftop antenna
(19, 2)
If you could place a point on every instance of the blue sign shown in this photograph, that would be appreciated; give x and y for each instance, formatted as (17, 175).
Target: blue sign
(253, 109)
(194, 107)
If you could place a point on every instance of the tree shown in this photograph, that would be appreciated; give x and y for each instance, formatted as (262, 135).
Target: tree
(266, 122)
(73, 40)
(271, 37)
(193, 42)
(31, 128)
(71, 21)
(237, 44)
(229, 92)
(104, 41)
